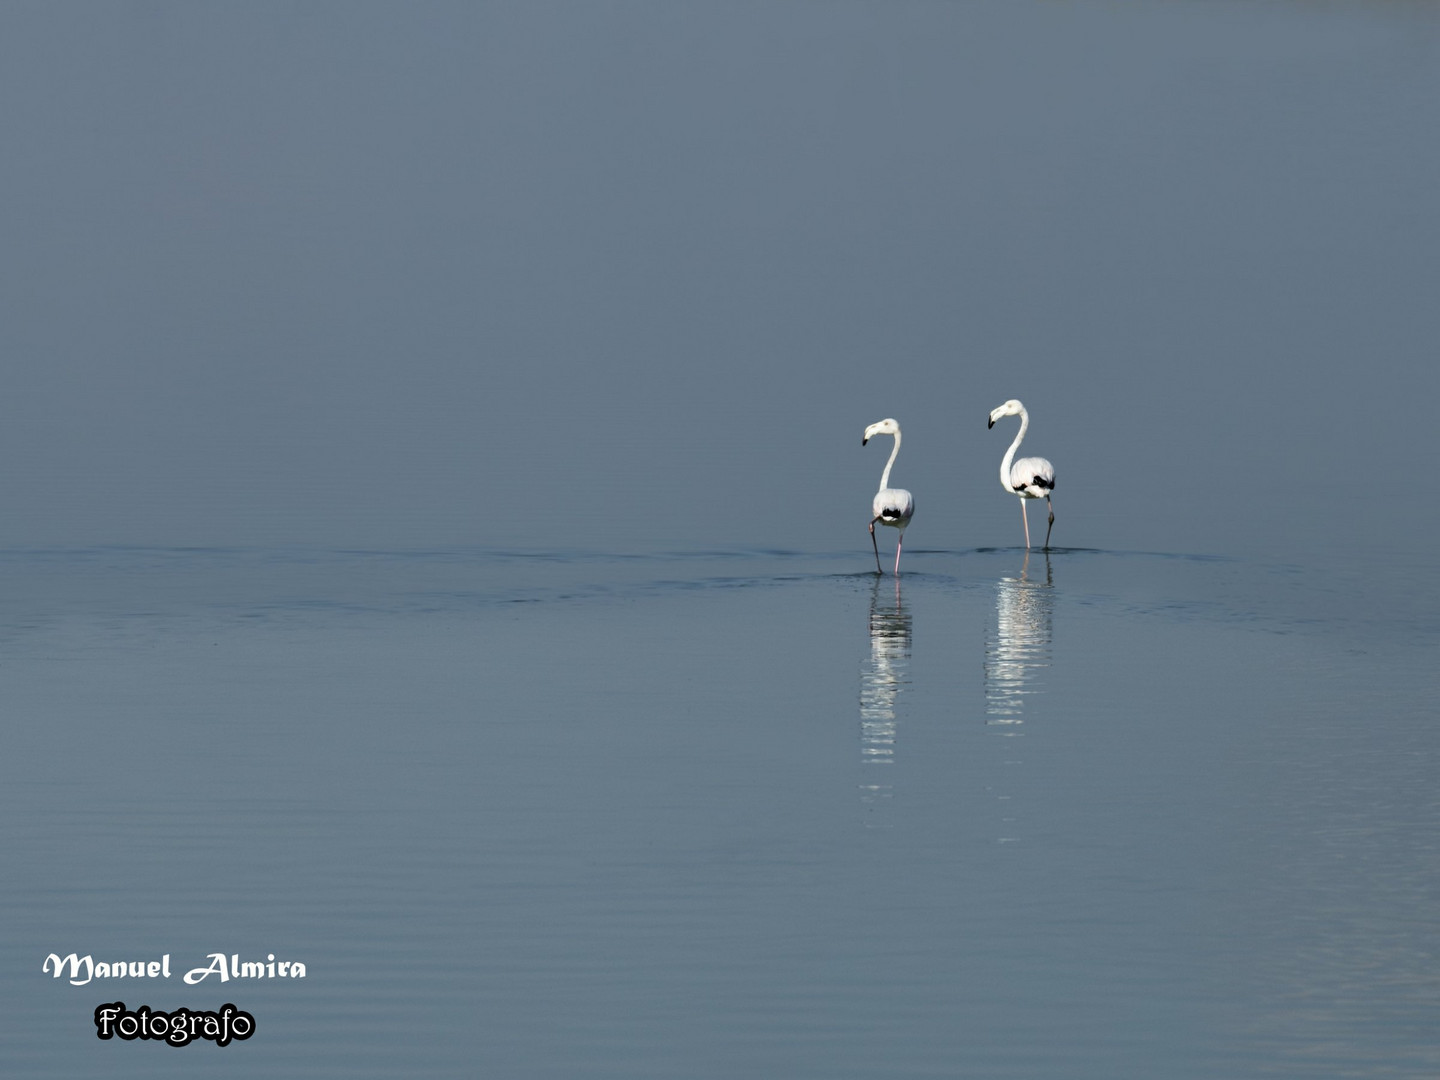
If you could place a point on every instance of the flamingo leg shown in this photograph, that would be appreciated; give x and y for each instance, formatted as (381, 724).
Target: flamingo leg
(897, 552)
(1026, 520)
(1051, 508)
(876, 546)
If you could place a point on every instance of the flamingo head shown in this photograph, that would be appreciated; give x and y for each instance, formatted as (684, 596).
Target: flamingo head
(1010, 408)
(881, 427)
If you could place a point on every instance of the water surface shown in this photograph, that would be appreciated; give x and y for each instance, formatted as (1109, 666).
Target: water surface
(720, 813)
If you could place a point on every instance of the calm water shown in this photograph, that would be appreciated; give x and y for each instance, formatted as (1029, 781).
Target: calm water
(753, 813)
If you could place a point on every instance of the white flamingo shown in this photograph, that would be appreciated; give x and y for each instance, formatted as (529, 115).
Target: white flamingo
(1031, 477)
(892, 506)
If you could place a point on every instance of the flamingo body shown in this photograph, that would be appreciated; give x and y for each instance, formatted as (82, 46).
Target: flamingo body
(1032, 478)
(893, 506)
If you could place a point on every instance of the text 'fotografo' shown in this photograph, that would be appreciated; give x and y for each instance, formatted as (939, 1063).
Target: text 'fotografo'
(178, 1028)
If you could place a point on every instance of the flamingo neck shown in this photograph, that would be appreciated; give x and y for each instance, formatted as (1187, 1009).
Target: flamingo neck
(885, 476)
(1010, 454)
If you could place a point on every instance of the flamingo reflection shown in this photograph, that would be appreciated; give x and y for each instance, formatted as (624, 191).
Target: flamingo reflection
(882, 675)
(1020, 646)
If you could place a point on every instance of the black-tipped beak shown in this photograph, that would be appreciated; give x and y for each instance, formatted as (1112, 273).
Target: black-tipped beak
(865, 440)
(991, 423)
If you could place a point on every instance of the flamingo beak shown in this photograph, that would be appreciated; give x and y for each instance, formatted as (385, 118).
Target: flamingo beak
(865, 440)
(990, 424)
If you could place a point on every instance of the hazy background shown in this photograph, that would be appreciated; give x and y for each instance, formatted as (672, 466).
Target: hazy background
(633, 275)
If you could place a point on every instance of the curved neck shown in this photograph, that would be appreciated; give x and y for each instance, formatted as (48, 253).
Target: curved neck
(885, 476)
(1010, 454)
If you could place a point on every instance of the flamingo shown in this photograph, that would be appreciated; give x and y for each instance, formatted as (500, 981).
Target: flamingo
(1029, 478)
(892, 506)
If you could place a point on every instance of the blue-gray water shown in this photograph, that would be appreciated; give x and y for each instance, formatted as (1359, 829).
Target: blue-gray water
(432, 536)
(1094, 814)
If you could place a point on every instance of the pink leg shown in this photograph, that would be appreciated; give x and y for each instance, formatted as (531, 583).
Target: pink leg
(1025, 518)
(897, 553)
